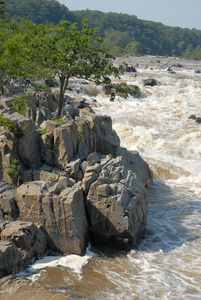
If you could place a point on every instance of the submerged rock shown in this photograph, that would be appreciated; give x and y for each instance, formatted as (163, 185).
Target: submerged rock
(18, 288)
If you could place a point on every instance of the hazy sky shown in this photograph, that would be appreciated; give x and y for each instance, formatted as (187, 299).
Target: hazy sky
(182, 13)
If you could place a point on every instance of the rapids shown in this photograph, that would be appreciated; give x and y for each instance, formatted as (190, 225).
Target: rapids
(167, 262)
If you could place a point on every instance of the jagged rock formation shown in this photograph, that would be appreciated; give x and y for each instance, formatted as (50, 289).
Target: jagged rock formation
(76, 184)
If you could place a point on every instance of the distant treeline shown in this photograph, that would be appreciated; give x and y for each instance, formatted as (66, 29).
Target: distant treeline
(122, 34)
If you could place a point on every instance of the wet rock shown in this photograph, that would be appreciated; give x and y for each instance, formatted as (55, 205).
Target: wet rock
(192, 117)
(130, 69)
(198, 120)
(18, 288)
(150, 82)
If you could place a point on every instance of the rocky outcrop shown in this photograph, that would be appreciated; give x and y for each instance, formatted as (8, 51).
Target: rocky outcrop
(75, 184)
(18, 288)
(109, 202)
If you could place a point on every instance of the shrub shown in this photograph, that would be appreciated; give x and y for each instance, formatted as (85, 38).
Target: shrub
(20, 104)
(10, 124)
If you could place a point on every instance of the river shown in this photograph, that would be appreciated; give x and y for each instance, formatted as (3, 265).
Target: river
(167, 262)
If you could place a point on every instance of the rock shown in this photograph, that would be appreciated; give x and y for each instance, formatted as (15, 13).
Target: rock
(192, 117)
(28, 238)
(73, 169)
(8, 204)
(130, 69)
(89, 178)
(10, 258)
(117, 206)
(134, 161)
(42, 114)
(65, 144)
(5, 102)
(107, 141)
(78, 138)
(198, 120)
(46, 145)
(28, 144)
(197, 71)
(18, 288)
(177, 65)
(150, 82)
(41, 175)
(8, 151)
(60, 212)
(11, 90)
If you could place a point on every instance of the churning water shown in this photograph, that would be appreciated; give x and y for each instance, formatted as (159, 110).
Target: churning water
(167, 262)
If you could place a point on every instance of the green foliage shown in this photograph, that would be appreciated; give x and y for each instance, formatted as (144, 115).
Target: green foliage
(155, 38)
(193, 54)
(20, 104)
(13, 170)
(116, 30)
(5, 122)
(134, 48)
(42, 88)
(2, 10)
(80, 132)
(38, 11)
(44, 51)
(42, 132)
(58, 120)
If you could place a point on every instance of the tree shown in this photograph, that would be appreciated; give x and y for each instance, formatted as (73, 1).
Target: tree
(10, 49)
(65, 51)
(2, 10)
(46, 50)
(134, 48)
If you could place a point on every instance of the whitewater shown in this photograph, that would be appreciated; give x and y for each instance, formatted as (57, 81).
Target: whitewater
(167, 262)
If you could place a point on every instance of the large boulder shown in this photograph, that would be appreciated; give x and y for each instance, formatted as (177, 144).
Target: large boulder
(61, 212)
(117, 206)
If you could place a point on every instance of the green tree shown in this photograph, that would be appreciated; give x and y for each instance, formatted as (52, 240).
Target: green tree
(2, 10)
(10, 48)
(67, 52)
(134, 48)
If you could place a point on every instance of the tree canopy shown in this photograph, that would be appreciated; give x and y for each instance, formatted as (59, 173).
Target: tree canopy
(46, 50)
(38, 11)
(2, 10)
(122, 34)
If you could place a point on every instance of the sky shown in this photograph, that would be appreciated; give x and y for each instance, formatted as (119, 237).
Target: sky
(182, 13)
